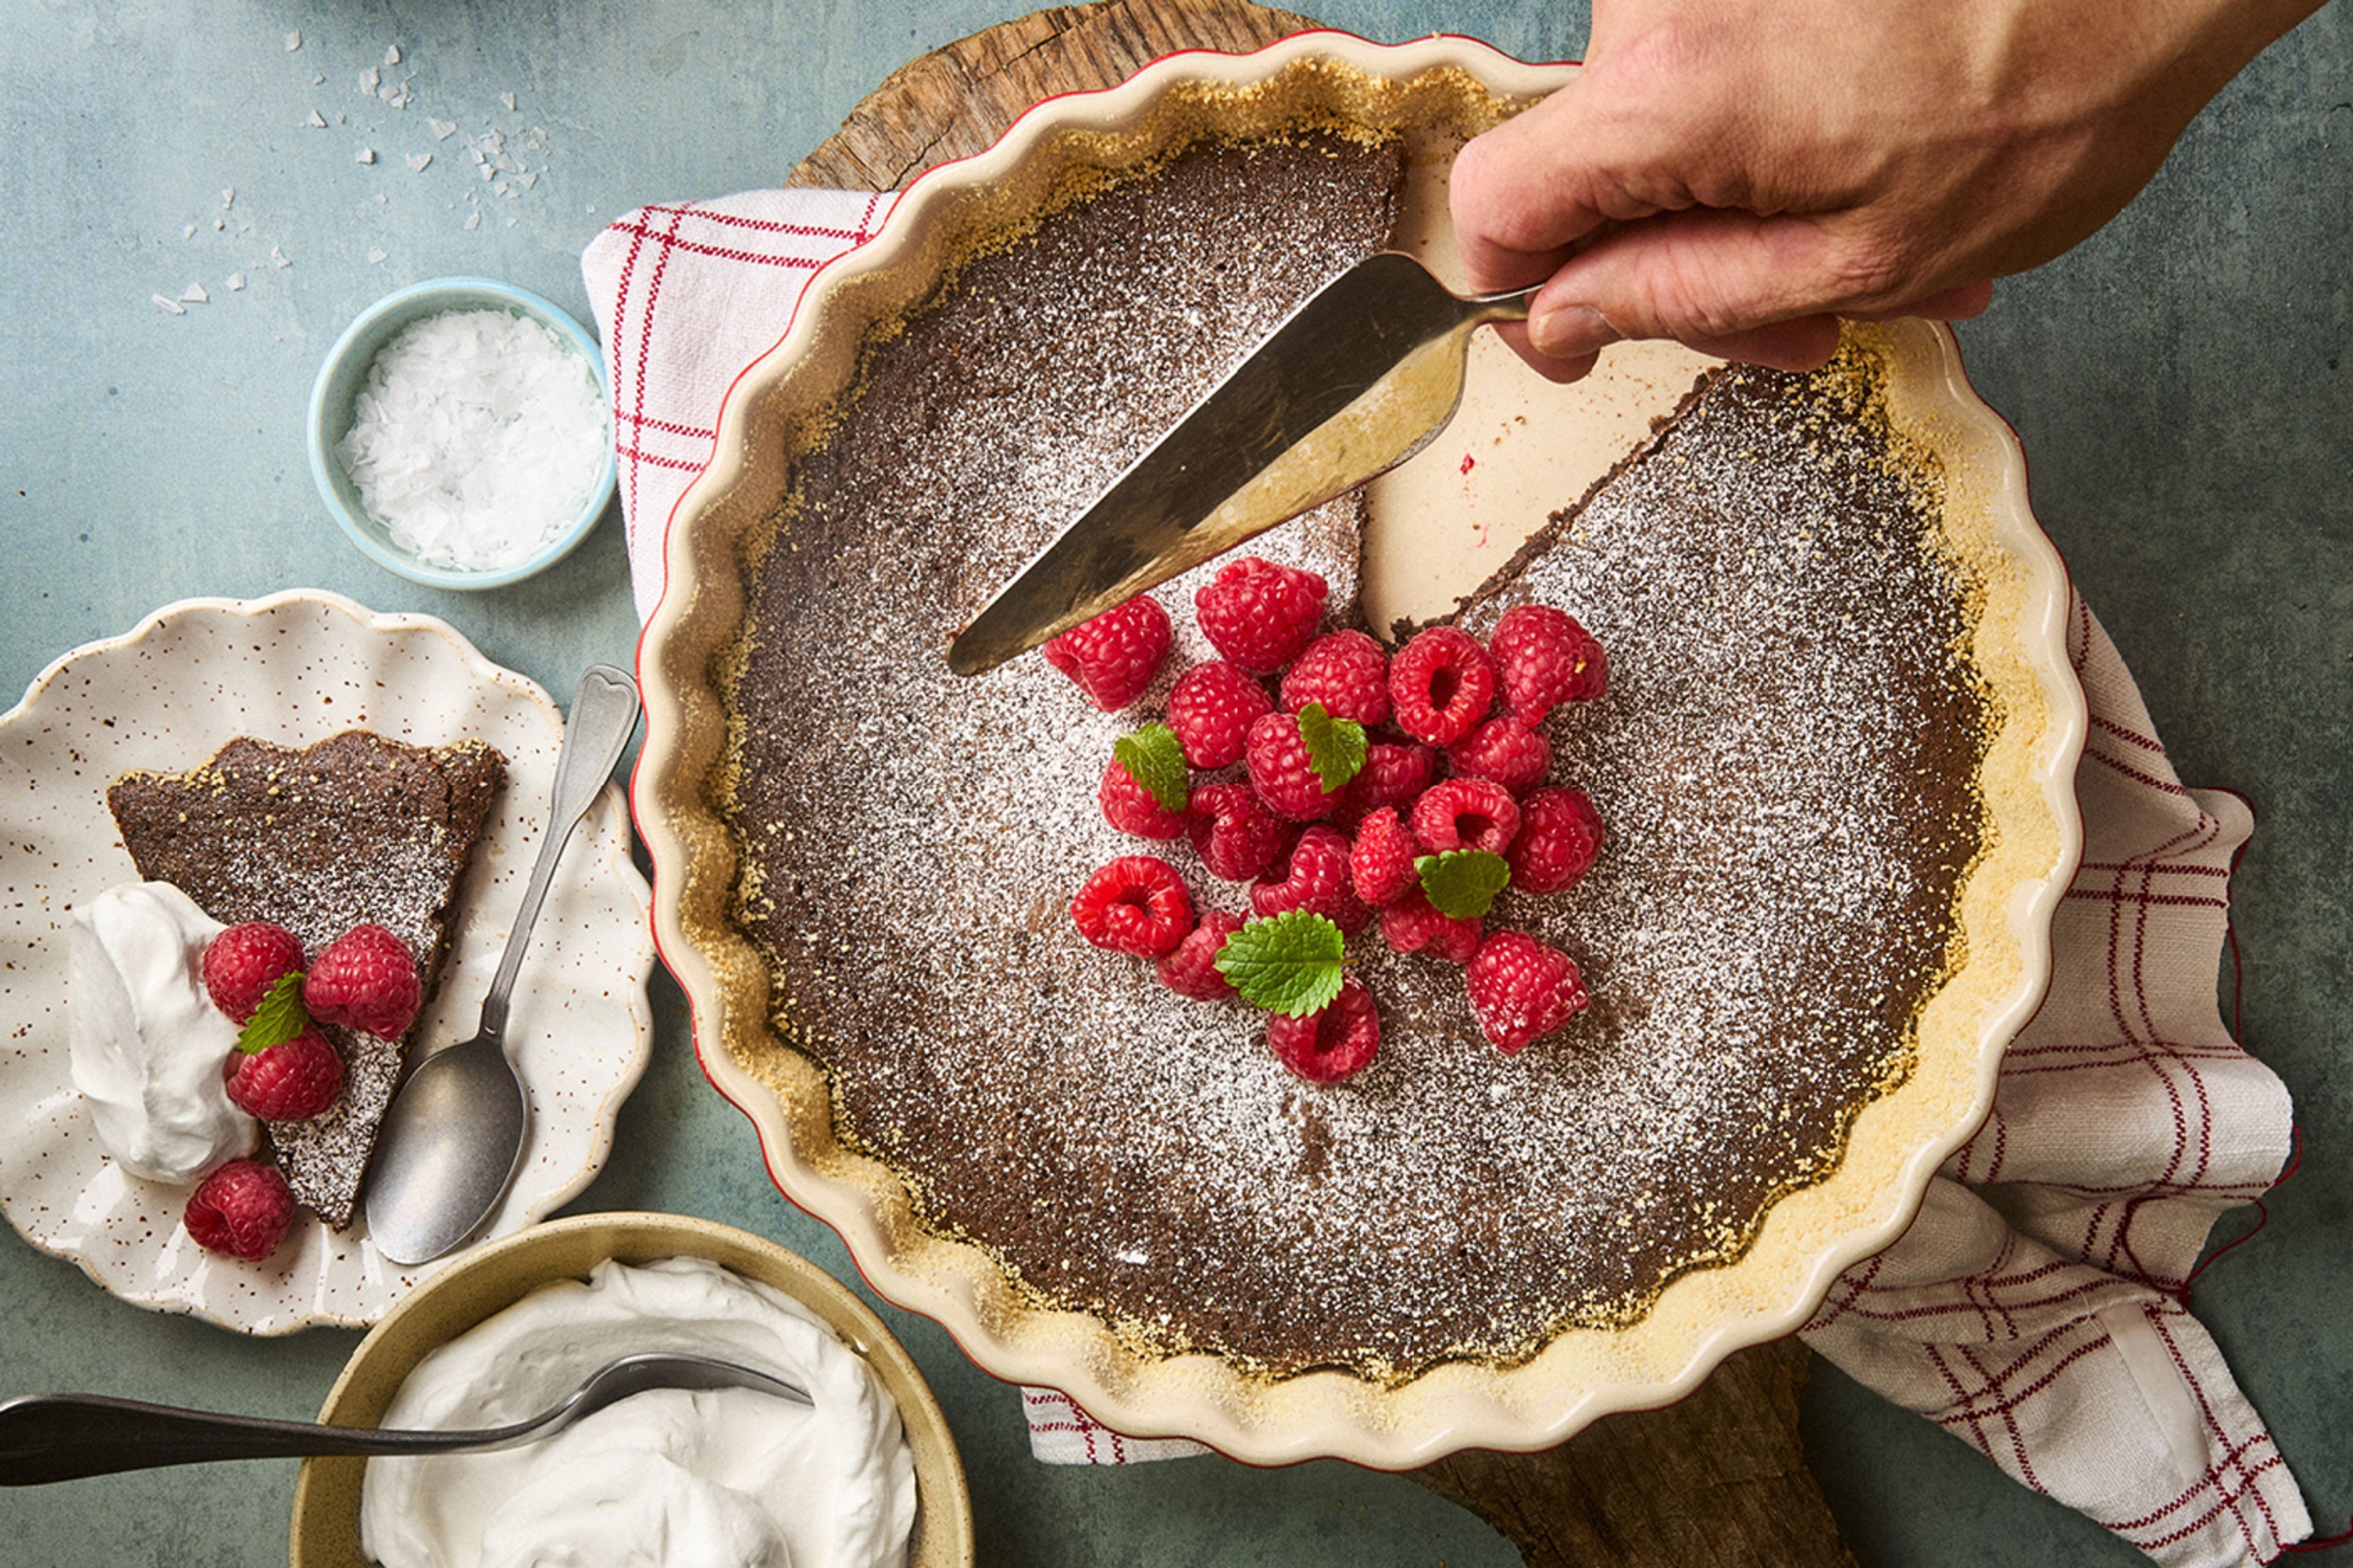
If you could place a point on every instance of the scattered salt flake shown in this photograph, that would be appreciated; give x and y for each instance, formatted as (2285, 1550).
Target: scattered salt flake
(370, 79)
(220, 223)
(194, 294)
(317, 122)
(507, 98)
(189, 231)
(416, 161)
(499, 188)
(236, 282)
(479, 436)
(442, 129)
(293, 40)
(376, 256)
(367, 155)
(392, 54)
(172, 306)
(510, 223)
(279, 257)
(474, 221)
(381, 199)
(484, 169)
(530, 179)
(229, 195)
(318, 80)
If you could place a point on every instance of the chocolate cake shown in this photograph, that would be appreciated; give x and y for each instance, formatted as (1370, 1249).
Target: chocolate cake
(354, 829)
(1785, 760)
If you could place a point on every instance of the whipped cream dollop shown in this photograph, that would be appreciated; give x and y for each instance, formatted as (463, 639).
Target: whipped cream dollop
(148, 1044)
(729, 1479)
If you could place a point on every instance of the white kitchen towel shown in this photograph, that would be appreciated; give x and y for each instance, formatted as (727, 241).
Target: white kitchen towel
(2037, 1308)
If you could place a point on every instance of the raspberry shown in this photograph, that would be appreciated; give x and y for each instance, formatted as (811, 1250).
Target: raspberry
(367, 980)
(1542, 657)
(1414, 924)
(1393, 775)
(1315, 878)
(242, 1209)
(1465, 814)
(1380, 865)
(1332, 1045)
(1521, 990)
(1129, 806)
(1560, 833)
(1212, 708)
(1235, 835)
(1259, 614)
(291, 1081)
(1192, 969)
(1505, 750)
(244, 961)
(1137, 905)
(1441, 684)
(1345, 671)
(1115, 655)
(1279, 770)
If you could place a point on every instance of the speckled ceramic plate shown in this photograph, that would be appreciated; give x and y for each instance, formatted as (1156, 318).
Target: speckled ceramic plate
(293, 668)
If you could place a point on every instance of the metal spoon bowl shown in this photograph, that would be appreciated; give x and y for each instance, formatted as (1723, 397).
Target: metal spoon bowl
(451, 1140)
(50, 1437)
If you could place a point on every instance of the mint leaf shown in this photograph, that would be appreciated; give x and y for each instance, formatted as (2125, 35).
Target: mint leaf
(1155, 760)
(1462, 883)
(1334, 746)
(1289, 964)
(278, 1019)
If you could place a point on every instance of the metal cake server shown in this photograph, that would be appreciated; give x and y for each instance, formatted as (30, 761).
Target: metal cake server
(1359, 379)
(451, 1139)
(47, 1438)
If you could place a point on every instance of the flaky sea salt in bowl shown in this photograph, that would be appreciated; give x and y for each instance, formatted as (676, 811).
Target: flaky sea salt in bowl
(460, 433)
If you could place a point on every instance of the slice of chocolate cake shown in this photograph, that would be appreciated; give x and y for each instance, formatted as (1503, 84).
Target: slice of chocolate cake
(354, 829)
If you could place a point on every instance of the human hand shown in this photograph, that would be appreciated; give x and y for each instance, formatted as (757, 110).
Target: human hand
(1739, 174)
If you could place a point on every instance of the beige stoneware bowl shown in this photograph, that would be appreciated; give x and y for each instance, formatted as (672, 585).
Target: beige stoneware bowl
(326, 1532)
(1437, 92)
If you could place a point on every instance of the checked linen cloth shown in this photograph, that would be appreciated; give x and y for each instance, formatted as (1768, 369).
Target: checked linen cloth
(2037, 1307)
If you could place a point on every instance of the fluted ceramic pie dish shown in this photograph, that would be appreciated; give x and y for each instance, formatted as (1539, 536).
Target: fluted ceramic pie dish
(1435, 92)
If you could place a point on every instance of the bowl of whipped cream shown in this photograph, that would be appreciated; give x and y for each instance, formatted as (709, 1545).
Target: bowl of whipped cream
(867, 1477)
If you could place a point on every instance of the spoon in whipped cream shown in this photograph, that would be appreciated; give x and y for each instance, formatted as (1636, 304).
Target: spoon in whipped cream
(50, 1437)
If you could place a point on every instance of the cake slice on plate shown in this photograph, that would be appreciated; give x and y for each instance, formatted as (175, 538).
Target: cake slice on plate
(354, 829)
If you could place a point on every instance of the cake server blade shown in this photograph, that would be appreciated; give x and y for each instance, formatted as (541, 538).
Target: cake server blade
(1357, 380)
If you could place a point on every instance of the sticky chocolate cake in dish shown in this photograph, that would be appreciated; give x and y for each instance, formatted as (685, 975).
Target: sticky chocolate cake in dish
(354, 828)
(1799, 759)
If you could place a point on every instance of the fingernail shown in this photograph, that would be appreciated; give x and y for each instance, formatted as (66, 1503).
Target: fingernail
(1570, 331)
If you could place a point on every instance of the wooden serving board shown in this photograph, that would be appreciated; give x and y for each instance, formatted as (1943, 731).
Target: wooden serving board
(1717, 1480)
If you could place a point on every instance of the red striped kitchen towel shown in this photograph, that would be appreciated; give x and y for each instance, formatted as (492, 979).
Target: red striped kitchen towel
(2036, 1308)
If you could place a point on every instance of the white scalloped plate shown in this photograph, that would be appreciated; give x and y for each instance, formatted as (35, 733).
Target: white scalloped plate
(293, 668)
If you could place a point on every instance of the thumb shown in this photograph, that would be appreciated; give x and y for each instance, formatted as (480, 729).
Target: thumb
(1707, 277)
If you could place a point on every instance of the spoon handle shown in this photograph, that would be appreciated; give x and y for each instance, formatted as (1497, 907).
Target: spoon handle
(50, 1437)
(604, 715)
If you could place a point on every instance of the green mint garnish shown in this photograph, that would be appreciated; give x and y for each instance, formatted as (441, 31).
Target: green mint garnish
(1157, 762)
(1462, 883)
(1289, 964)
(278, 1019)
(1334, 746)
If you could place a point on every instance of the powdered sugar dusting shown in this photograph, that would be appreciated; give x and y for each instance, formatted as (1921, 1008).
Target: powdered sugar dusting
(1782, 764)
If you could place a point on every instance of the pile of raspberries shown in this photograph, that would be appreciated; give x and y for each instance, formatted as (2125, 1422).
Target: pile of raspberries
(1455, 759)
(367, 980)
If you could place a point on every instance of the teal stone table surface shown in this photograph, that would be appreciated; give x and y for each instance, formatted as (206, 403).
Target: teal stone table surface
(2180, 383)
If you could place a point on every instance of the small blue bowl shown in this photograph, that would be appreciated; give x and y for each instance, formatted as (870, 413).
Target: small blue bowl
(345, 373)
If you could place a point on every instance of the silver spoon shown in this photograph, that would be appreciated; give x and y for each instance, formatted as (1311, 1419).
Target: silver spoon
(50, 1437)
(453, 1135)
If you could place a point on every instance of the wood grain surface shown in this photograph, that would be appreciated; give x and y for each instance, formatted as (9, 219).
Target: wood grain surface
(1716, 1482)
